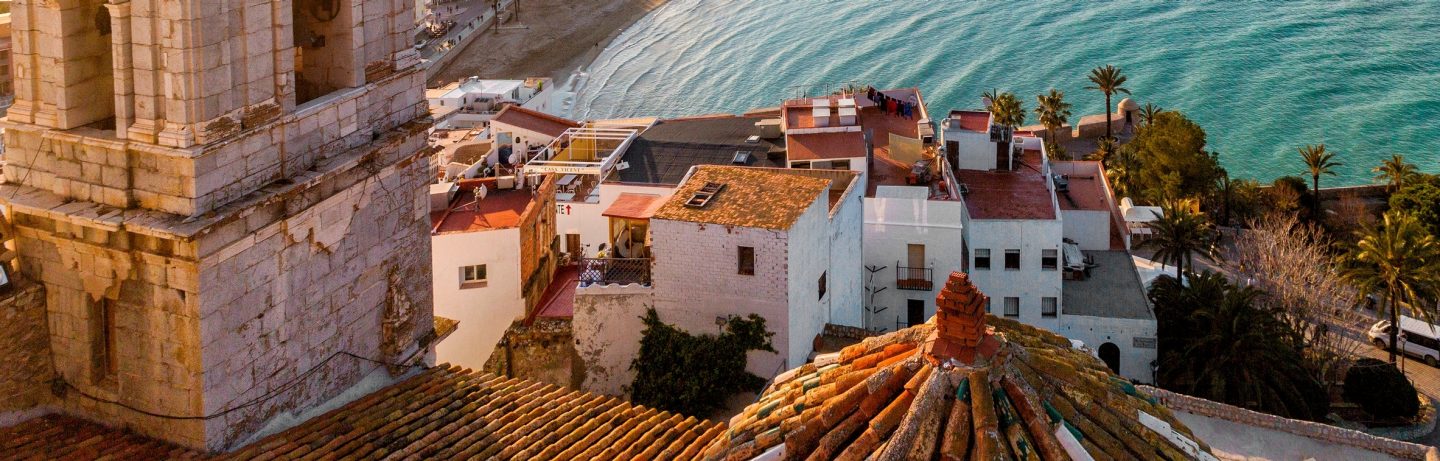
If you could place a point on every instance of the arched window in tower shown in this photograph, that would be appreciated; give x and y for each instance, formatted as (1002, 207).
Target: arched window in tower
(324, 55)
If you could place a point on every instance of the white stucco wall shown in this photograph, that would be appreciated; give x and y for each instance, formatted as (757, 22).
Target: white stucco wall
(484, 313)
(1030, 283)
(1090, 229)
(846, 253)
(1094, 331)
(584, 219)
(891, 225)
(809, 257)
(976, 151)
(607, 330)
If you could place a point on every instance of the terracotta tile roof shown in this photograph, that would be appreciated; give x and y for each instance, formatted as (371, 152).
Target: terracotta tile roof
(450, 413)
(1027, 394)
(768, 198)
(65, 437)
(538, 122)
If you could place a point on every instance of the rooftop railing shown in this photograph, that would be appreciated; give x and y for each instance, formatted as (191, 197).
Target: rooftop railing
(619, 271)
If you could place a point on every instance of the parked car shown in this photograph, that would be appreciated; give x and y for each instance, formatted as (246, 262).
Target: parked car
(1417, 338)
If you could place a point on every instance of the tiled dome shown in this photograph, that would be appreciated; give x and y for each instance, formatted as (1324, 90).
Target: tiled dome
(952, 392)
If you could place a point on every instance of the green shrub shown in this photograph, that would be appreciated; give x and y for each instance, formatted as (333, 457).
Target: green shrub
(1381, 389)
(694, 375)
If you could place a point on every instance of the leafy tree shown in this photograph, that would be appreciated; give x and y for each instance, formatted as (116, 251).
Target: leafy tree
(1394, 171)
(1178, 235)
(1216, 342)
(1318, 161)
(693, 375)
(1110, 81)
(1397, 258)
(1420, 197)
(1171, 161)
(1381, 389)
(1053, 111)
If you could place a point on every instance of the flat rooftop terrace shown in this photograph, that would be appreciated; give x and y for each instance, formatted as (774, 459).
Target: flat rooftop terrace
(1112, 290)
(1022, 193)
(500, 209)
(664, 153)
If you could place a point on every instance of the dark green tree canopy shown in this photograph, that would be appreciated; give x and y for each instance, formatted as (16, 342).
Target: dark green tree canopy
(693, 375)
(1381, 389)
(1420, 197)
(1172, 162)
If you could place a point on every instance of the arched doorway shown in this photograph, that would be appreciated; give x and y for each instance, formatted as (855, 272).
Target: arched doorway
(1110, 354)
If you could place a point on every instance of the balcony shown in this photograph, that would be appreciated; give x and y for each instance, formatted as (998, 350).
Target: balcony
(617, 271)
(914, 278)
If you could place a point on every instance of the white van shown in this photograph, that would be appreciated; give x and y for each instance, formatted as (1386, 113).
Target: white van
(1417, 338)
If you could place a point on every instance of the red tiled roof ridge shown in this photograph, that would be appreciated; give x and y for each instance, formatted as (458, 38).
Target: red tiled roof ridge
(880, 400)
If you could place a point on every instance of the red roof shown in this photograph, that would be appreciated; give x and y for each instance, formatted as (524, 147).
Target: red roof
(1018, 194)
(558, 301)
(974, 120)
(634, 206)
(824, 146)
(500, 209)
(538, 122)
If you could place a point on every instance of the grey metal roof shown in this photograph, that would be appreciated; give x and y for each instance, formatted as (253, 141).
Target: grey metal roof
(667, 150)
(1113, 289)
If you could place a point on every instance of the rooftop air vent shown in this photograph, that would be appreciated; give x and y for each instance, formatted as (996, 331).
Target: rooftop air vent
(702, 197)
(742, 157)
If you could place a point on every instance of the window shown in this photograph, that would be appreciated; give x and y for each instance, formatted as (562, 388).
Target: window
(747, 261)
(1012, 260)
(324, 52)
(987, 305)
(982, 259)
(102, 341)
(1048, 307)
(1012, 307)
(473, 276)
(800, 165)
(822, 286)
(1049, 260)
(840, 164)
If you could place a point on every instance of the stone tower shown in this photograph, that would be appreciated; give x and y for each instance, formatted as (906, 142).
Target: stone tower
(224, 202)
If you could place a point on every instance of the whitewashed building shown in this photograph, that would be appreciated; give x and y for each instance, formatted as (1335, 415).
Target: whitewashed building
(493, 256)
(472, 102)
(732, 241)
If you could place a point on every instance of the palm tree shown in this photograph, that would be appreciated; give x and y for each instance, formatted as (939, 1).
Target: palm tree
(1401, 260)
(990, 96)
(1108, 80)
(1008, 112)
(1318, 161)
(1394, 171)
(1219, 342)
(1053, 111)
(1177, 234)
(1149, 113)
(1105, 150)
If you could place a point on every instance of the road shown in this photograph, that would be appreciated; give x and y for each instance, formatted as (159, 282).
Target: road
(472, 13)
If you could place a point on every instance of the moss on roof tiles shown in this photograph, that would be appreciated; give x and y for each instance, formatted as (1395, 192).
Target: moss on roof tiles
(882, 399)
(763, 198)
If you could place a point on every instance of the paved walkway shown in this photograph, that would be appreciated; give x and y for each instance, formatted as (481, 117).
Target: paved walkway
(472, 14)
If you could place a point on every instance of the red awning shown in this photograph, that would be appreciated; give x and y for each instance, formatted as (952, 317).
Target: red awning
(634, 206)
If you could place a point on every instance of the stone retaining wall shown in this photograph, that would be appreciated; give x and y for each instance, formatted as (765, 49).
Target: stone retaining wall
(25, 347)
(1313, 430)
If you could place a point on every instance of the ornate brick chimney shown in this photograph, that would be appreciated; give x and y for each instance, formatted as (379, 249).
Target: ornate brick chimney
(959, 321)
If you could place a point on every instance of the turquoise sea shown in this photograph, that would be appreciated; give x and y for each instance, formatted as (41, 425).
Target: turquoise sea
(1262, 77)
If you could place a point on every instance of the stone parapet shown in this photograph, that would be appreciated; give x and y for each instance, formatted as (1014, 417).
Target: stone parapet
(1313, 430)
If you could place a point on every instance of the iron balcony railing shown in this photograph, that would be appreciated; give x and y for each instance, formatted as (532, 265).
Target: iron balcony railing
(622, 271)
(913, 278)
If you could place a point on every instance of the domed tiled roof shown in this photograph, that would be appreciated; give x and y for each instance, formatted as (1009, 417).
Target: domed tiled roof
(950, 390)
(1128, 104)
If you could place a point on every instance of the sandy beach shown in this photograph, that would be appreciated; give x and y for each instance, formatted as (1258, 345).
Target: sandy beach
(550, 38)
